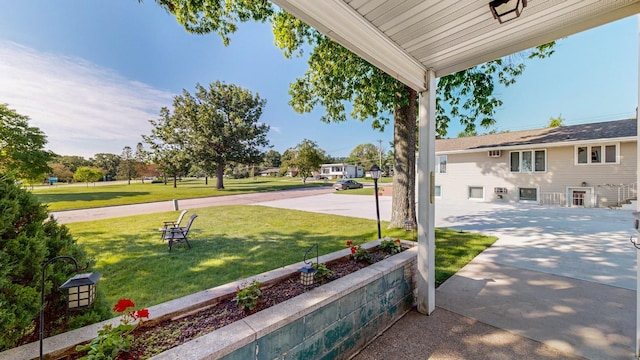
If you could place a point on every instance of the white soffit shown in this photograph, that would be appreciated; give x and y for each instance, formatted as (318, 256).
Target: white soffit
(406, 37)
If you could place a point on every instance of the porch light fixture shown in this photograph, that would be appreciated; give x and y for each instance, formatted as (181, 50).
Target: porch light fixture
(308, 272)
(375, 175)
(82, 291)
(505, 10)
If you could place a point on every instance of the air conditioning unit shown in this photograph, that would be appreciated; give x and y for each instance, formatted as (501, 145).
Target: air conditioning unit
(495, 153)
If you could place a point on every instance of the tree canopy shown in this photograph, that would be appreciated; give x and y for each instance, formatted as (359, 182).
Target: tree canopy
(214, 127)
(22, 153)
(88, 174)
(364, 155)
(304, 158)
(556, 122)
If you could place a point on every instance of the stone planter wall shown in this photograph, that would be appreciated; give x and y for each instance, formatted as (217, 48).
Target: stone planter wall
(332, 321)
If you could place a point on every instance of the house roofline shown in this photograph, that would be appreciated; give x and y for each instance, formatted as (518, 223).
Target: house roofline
(540, 145)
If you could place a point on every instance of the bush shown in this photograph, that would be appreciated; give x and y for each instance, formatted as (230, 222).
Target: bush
(28, 238)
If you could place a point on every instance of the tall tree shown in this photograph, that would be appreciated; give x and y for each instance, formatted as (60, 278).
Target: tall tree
(60, 171)
(88, 174)
(336, 77)
(140, 156)
(225, 127)
(272, 159)
(364, 155)
(168, 145)
(108, 163)
(73, 162)
(305, 158)
(22, 153)
(219, 125)
(127, 165)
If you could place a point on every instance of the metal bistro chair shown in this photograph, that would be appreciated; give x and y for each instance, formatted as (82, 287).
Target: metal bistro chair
(176, 235)
(171, 224)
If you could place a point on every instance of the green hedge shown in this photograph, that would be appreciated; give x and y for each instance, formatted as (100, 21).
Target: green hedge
(29, 236)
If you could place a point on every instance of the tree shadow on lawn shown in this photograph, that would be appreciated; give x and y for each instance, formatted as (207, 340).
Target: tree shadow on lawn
(140, 266)
(100, 195)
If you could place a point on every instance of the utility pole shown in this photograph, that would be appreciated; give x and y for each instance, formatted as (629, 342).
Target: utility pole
(380, 153)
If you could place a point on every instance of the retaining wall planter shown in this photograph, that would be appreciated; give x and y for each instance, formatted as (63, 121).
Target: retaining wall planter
(332, 321)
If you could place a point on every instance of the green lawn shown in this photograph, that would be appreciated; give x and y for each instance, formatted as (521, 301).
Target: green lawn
(230, 243)
(78, 196)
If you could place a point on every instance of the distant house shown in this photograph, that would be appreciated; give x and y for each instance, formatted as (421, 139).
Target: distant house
(590, 165)
(340, 171)
(270, 172)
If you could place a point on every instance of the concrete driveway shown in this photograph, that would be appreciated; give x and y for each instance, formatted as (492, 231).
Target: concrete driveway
(562, 276)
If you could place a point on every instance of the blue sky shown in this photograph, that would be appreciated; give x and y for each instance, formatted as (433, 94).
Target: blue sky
(91, 74)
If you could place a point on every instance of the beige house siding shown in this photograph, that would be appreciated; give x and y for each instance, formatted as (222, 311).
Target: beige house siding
(599, 182)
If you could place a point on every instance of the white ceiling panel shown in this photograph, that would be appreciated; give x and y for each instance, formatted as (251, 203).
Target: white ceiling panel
(405, 38)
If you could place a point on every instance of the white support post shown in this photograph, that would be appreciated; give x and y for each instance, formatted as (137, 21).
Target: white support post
(637, 352)
(426, 219)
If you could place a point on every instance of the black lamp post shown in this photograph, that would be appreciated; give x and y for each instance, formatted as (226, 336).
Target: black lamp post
(375, 175)
(82, 291)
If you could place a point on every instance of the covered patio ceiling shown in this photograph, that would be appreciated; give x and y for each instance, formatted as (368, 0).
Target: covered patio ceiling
(405, 38)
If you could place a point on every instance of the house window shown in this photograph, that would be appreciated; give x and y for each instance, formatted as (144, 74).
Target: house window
(476, 192)
(528, 161)
(441, 164)
(528, 194)
(596, 154)
(437, 191)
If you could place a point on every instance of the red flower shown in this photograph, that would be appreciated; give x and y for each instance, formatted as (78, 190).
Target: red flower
(349, 243)
(123, 304)
(353, 249)
(144, 313)
(398, 241)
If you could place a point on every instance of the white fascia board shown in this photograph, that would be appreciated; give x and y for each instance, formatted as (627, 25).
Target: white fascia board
(341, 23)
(542, 145)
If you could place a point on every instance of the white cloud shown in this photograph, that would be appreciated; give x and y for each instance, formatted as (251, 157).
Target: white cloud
(82, 108)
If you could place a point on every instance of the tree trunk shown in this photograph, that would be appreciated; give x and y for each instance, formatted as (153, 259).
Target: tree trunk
(219, 176)
(206, 180)
(175, 181)
(403, 206)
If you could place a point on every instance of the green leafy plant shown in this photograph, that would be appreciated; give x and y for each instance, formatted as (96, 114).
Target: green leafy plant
(390, 246)
(322, 273)
(112, 340)
(358, 253)
(248, 296)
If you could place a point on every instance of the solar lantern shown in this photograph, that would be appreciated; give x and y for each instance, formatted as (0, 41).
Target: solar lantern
(82, 290)
(308, 272)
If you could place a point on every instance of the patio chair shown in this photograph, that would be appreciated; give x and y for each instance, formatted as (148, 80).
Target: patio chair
(178, 234)
(171, 224)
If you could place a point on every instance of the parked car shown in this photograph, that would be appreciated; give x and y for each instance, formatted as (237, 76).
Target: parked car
(345, 184)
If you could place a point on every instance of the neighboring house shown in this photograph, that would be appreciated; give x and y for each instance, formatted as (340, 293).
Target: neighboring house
(580, 165)
(340, 171)
(270, 172)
